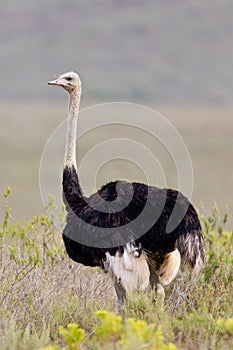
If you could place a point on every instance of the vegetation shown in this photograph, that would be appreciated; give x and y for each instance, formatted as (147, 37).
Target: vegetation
(48, 302)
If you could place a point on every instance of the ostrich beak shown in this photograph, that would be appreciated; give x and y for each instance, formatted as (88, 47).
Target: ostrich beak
(54, 82)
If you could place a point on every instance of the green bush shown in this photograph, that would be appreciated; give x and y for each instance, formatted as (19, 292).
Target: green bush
(115, 333)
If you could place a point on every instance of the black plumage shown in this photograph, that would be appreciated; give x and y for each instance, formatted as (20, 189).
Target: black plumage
(156, 240)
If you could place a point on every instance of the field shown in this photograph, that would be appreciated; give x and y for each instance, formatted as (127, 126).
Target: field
(25, 129)
(43, 292)
(175, 58)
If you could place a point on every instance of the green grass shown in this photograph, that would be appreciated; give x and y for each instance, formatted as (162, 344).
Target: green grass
(42, 292)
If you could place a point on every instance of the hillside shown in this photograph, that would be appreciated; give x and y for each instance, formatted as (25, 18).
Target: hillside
(161, 51)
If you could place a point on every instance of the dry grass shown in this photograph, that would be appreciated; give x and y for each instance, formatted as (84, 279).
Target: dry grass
(42, 289)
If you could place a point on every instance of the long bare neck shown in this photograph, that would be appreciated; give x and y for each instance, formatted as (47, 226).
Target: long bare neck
(71, 133)
(72, 192)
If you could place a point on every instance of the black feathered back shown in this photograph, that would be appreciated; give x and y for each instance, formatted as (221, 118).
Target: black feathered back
(143, 220)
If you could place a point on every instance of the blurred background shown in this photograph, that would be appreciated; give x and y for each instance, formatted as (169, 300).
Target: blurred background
(174, 57)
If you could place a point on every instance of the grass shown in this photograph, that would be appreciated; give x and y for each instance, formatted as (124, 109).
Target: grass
(42, 292)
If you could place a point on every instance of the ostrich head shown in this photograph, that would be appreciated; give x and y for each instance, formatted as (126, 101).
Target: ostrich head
(69, 81)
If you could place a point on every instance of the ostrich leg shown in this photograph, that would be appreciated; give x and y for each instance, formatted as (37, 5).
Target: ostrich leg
(155, 284)
(120, 291)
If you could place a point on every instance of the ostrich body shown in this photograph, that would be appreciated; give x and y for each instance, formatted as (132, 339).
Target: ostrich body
(137, 252)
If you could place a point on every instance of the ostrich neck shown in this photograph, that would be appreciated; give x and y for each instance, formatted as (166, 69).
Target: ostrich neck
(71, 134)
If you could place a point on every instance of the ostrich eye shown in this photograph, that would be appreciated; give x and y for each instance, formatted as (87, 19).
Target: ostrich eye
(68, 78)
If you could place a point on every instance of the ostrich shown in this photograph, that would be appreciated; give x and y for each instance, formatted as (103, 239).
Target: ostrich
(138, 253)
